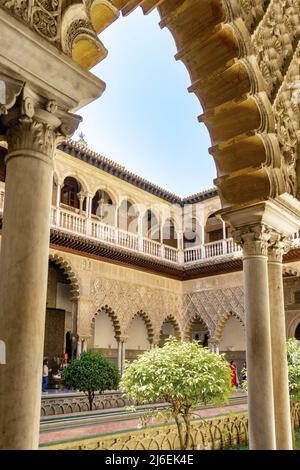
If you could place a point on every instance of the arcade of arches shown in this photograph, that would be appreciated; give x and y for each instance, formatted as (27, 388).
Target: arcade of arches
(243, 61)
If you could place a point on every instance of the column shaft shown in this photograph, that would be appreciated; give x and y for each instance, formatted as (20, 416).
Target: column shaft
(23, 288)
(259, 361)
(279, 353)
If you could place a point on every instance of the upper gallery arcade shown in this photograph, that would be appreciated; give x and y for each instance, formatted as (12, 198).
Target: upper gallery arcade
(243, 61)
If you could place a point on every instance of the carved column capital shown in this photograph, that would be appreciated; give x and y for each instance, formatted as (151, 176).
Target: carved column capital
(29, 135)
(33, 125)
(122, 339)
(253, 239)
(278, 247)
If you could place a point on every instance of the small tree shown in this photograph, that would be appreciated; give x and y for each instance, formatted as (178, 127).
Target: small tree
(184, 375)
(91, 373)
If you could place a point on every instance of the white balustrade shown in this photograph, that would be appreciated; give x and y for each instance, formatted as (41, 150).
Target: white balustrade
(193, 254)
(72, 222)
(214, 249)
(171, 254)
(127, 240)
(151, 247)
(78, 224)
(232, 246)
(104, 232)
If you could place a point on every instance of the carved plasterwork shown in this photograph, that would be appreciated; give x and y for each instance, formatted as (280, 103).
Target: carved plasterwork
(287, 119)
(238, 55)
(128, 300)
(44, 16)
(211, 305)
(275, 40)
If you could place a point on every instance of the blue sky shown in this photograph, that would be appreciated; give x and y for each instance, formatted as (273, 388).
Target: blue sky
(146, 120)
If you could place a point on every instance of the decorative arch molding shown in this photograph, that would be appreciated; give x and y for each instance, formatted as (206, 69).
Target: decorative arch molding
(292, 325)
(66, 267)
(73, 174)
(290, 271)
(189, 326)
(109, 191)
(113, 317)
(222, 322)
(148, 322)
(211, 304)
(241, 57)
(171, 318)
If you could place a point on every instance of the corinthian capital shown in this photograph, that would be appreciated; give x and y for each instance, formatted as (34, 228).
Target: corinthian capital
(30, 135)
(34, 125)
(253, 239)
(278, 247)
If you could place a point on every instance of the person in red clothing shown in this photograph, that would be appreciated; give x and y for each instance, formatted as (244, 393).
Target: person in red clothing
(234, 379)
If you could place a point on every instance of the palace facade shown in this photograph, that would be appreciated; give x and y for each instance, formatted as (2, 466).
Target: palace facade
(131, 264)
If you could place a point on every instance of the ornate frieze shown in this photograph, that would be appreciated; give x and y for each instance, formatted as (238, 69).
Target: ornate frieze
(287, 120)
(44, 16)
(275, 40)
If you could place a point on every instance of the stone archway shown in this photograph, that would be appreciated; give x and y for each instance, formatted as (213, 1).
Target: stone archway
(69, 273)
(174, 326)
(106, 335)
(202, 334)
(222, 321)
(113, 317)
(146, 318)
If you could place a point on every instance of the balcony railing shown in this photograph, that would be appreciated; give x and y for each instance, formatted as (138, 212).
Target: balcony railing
(74, 223)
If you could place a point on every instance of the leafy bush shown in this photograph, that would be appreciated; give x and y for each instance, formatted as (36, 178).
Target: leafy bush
(91, 373)
(184, 375)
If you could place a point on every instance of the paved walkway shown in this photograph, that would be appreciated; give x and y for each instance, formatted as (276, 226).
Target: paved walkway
(83, 431)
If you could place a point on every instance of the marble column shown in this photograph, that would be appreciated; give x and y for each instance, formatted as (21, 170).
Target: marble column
(213, 346)
(279, 353)
(23, 273)
(259, 360)
(140, 234)
(224, 243)
(84, 345)
(88, 212)
(32, 125)
(81, 198)
(119, 355)
(58, 196)
(122, 353)
(79, 347)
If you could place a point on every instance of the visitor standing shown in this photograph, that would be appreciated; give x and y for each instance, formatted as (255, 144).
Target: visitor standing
(45, 376)
(234, 377)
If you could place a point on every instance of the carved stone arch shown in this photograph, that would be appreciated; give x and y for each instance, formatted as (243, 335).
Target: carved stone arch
(290, 271)
(221, 324)
(130, 200)
(69, 174)
(110, 192)
(69, 273)
(187, 329)
(145, 316)
(171, 318)
(113, 317)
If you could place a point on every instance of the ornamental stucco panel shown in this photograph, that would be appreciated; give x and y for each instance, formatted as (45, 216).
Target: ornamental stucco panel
(127, 299)
(212, 305)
